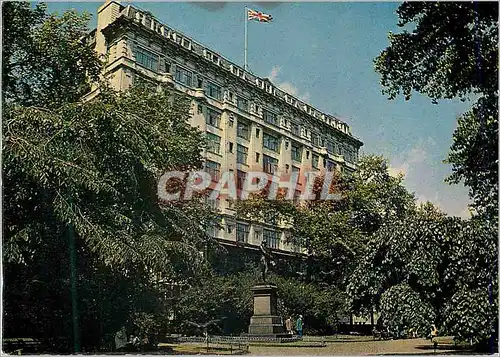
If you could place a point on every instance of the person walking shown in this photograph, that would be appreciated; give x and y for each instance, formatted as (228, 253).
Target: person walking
(434, 332)
(288, 325)
(299, 326)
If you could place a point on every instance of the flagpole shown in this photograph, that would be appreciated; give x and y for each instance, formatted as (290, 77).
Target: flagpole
(246, 36)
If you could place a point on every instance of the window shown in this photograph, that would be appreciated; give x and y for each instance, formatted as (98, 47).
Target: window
(269, 117)
(242, 104)
(241, 154)
(243, 130)
(269, 164)
(271, 237)
(257, 236)
(231, 147)
(330, 166)
(212, 230)
(213, 168)
(257, 157)
(213, 90)
(307, 155)
(242, 231)
(200, 109)
(257, 133)
(213, 143)
(146, 58)
(230, 228)
(240, 179)
(271, 142)
(295, 129)
(213, 118)
(315, 139)
(200, 82)
(183, 76)
(296, 153)
(329, 146)
(338, 150)
(315, 161)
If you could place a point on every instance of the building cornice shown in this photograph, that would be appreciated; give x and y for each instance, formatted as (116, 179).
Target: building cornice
(133, 18)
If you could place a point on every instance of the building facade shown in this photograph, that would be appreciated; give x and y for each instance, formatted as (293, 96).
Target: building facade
(251, 125)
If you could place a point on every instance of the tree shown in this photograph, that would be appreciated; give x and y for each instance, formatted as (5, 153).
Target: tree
(335, 232)
(402, 309)
(423, 267)
(95, 165)
(450, 50)
(47, 59)
(88, 170)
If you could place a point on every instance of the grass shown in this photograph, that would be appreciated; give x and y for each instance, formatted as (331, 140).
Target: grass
(355, 346)
(315, 345)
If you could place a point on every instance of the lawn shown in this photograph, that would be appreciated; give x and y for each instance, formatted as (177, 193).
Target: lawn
(355, 347)
(330, 345)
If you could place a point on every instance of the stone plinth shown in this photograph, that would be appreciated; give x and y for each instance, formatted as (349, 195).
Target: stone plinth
(265, 322)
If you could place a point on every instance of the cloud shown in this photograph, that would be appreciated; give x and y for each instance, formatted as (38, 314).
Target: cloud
(424, 174)
(416, 155)
(286, 86)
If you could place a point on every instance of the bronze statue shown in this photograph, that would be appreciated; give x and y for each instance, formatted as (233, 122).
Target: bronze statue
(266, 260)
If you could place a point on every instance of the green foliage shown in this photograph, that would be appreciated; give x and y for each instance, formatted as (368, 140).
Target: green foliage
(402, 309)
(449, 50)
(214, 298)
(474, 156)
(335, 233)
(231, 297)
(446, 50)
(91, 168)
(413, 268)
(470, 315)
(47, 60)
(322, 309)
(94, 165)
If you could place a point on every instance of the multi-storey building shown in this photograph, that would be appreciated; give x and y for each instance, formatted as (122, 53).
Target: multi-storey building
(250, 123)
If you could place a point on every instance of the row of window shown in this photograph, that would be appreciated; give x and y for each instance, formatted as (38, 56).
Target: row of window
(271, 236)
(270, 164)
(272, 142)
(150, 60)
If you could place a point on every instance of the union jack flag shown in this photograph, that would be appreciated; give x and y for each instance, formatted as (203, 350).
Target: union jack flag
(259, 16)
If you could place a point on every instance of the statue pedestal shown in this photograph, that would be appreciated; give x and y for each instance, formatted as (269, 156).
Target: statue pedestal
(265, 322)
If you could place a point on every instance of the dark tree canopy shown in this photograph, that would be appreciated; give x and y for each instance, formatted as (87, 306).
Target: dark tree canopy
(46, 59)
(449, 50)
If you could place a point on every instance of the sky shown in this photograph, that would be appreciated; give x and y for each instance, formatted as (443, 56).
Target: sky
(323, 53)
